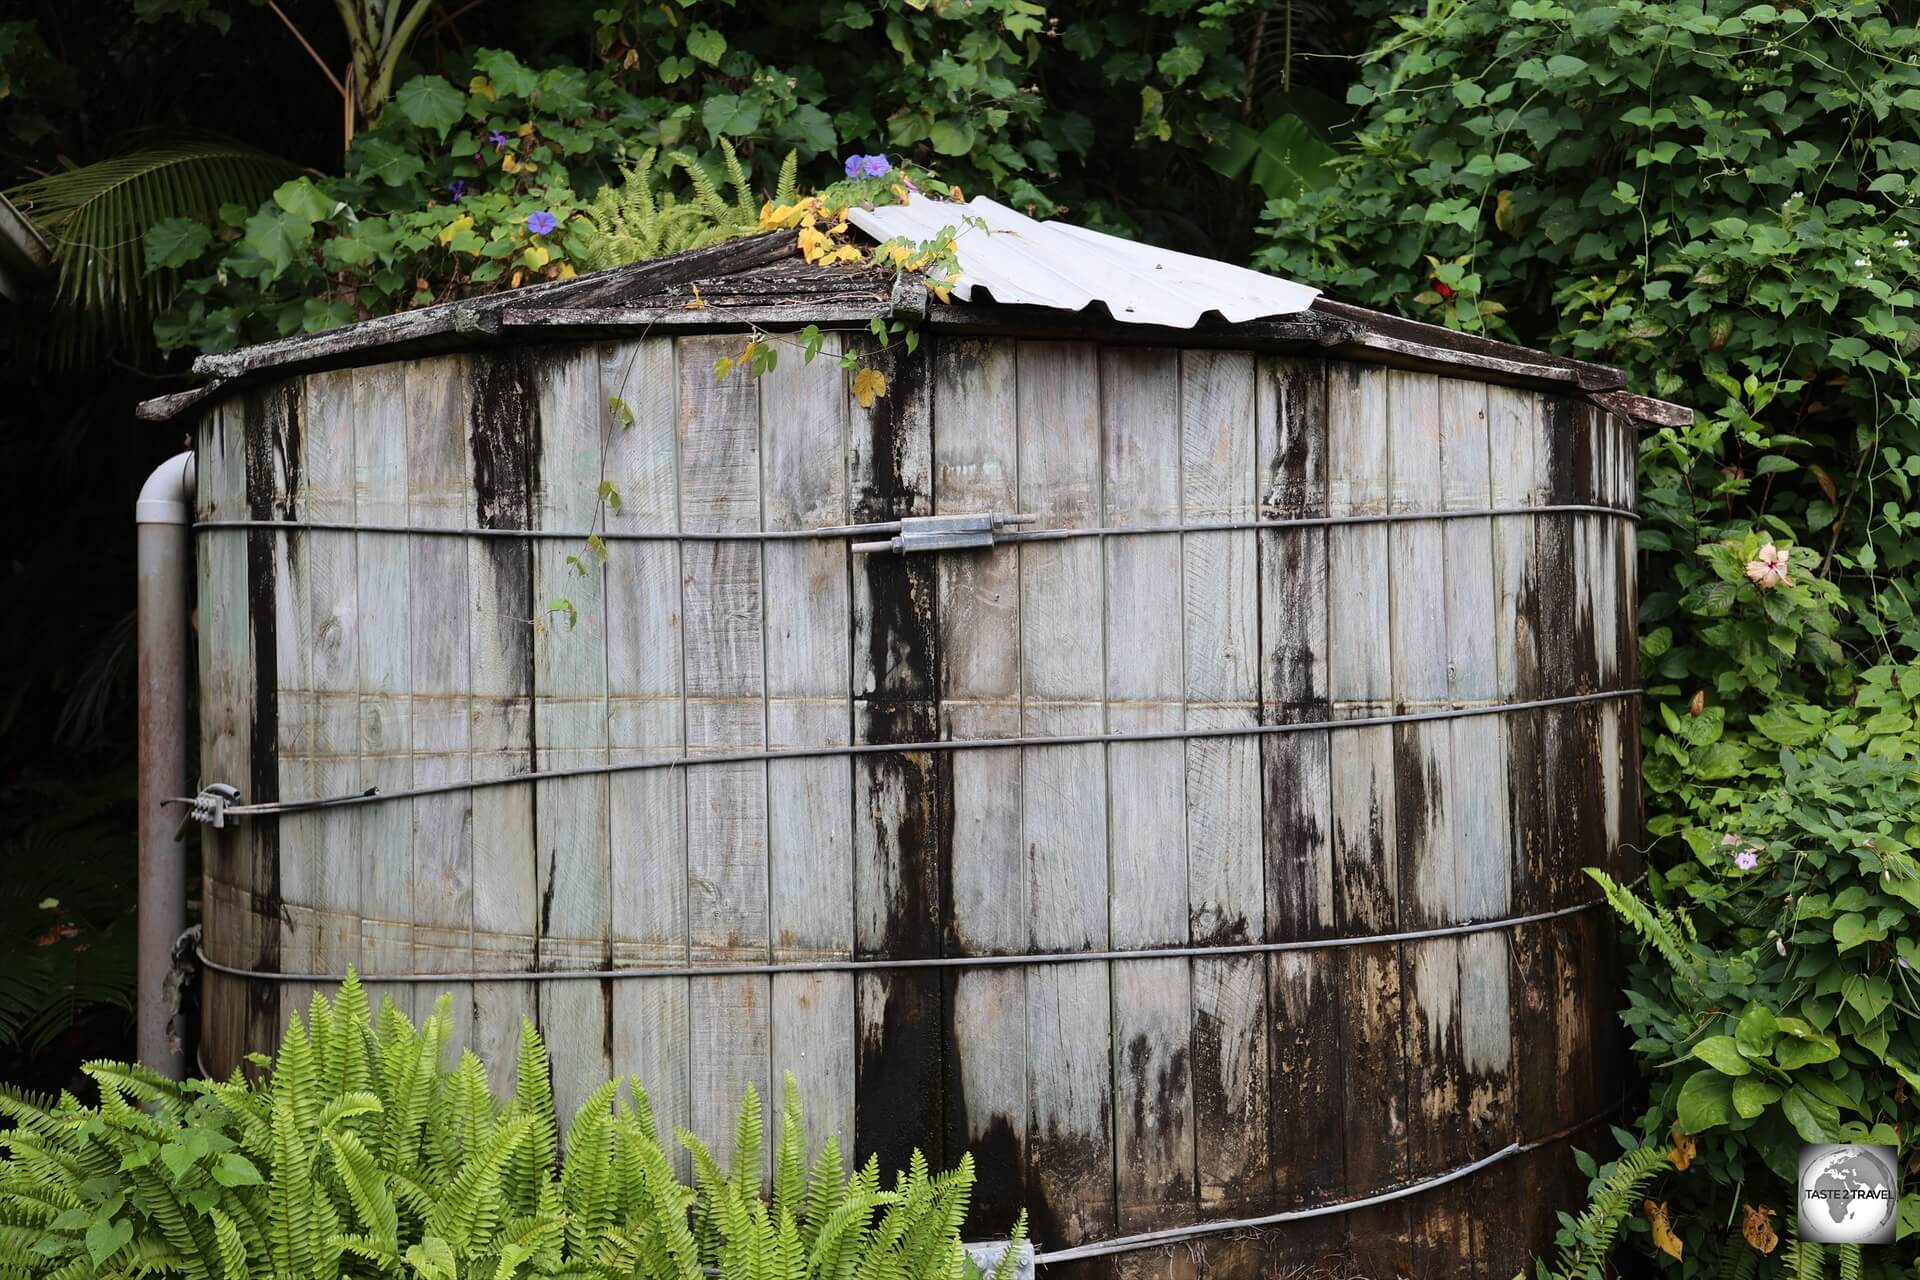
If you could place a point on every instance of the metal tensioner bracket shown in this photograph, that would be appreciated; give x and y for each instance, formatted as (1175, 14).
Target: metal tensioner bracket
(209, 807)
(945, 533)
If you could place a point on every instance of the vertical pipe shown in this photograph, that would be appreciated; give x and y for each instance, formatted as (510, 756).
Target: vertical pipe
(163, 517)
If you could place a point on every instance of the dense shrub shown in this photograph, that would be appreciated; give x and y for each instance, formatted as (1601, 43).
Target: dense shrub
(1717, 196)
(357, 1153)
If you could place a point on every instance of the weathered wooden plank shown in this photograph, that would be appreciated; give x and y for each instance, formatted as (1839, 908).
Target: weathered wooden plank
(573, 866)
(384, 654)
(1225, 858)
(723, 607)
(1479, 812)
(1069, 1103)
(272, 417)
(322, 879)
(502, 444)
(1360, 656)
(1291, 414)
(646, 720)
(226, 728)
(731, 1047)
(1423, 798)
(1366, 883)
(803, 410)
(896, 836)
(1305, 990)
(296, 704)
(1063, 794)
(977, 608)
(1140, 395)
(440, 669)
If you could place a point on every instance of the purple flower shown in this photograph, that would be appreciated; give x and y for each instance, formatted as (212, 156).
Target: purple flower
(875, 167)
(457, 188)
(497, 138)
(1746, 860)
(855, 164)
(541, 223)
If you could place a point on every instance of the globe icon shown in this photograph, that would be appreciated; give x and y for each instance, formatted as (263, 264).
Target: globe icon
(1848, 1194)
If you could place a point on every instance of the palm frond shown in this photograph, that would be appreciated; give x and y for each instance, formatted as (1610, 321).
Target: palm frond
(97, 215)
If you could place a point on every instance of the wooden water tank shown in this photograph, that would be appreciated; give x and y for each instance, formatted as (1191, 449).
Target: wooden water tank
(1321, 635)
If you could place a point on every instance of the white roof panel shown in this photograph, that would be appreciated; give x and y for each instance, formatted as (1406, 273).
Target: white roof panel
(1055, 264)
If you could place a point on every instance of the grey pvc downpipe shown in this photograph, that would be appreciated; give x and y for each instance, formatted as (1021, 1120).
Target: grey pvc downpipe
(164, 525)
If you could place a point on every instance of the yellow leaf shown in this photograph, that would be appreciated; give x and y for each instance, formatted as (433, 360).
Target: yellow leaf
(839, 228)
(462, 223)
(535, 256)
(1503, 215)
(567, 272)
(748, 352)
(1758, 1228)
(524, 130)
(518, 276)
(722, 368)
(869, 385)
(898, 252)
(481, 87)
(846, 253)
(1663, 1237)
(955, 193)
(813, 245)
(508, 163)
(940, 290)
(1685, 1146)
(899, 192)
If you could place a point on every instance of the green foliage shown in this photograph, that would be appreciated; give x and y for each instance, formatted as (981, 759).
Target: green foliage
(1613, 1196)
(1717, 197)
(357, 1153)
(95, 216)
(635, 222)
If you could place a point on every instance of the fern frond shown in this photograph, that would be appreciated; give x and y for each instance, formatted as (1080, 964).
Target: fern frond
(1655, 923)
(1010, 1259)
(1598, 1225)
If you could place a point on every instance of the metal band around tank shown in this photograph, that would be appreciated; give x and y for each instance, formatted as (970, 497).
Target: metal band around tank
(1174, 1235)
(893, 526)
(922, 962)
(372, 796)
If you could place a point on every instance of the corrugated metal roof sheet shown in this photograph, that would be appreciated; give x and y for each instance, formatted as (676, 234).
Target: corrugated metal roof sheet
(1055, 264)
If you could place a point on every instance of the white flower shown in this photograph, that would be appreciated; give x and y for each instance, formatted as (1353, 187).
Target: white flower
(1768, 568)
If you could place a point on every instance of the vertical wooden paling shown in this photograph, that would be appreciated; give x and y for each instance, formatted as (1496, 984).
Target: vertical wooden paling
(1147, 796)
(1304, 988)
(271, 417)
(502, 446)
(1225, 866)
(441, 711)
(978, 612)
(1366, 885)
(803, 423)
(383, 830)
(1063, 797)
(646, 721)
(322, 861)
(897, 853)
(1519, 453)
(572, 865)
(1481, 844)
(283, 447)
(722, 608)
(226, 727)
